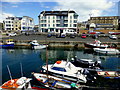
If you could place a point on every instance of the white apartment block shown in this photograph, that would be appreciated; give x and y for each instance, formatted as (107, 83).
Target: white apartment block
(27, 23)
(57, 21)
(19, 23)
(8, 23)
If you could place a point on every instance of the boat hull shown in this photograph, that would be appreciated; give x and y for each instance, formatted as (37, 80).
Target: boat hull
(109, 74)
(52, 82)
(39, 47)
(107, 51)
(71, 78)
(88, 45)
(7, 46)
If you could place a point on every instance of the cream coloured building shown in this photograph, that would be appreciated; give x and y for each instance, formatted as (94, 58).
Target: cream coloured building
(56, 21)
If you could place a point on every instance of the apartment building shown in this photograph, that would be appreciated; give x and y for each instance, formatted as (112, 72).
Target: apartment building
(19, 23)
(56, 21)
(105, 22)
(27, 23)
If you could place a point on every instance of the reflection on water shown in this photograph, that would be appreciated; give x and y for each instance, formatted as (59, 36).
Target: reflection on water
(32, 60)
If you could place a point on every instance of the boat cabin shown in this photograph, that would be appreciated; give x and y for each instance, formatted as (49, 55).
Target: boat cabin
(64, 67)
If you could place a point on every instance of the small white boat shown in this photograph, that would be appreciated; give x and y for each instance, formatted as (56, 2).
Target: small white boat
(22, 83)
(109, 74)
(55, 82)
(95, 44)
(107, 50)
(66, 70)
(36, 45)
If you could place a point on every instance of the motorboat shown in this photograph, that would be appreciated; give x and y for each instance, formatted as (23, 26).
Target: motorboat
(36, 45)
(95, 44)
(66, 70)
(110, 51)
(22, 83)
(7, 44)
(109, 74)
(87, 63)
(53, 82)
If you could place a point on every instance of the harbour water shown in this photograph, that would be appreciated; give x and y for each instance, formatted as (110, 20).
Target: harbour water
(32, 60)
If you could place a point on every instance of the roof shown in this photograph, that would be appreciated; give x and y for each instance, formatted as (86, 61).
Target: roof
(57, 12)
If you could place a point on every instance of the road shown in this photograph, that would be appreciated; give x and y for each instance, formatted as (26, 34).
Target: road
(53, 38)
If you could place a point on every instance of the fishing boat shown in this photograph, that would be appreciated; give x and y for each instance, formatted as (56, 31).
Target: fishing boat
(8, 44)
(95, 44)
(53, 82)
(36, 45)
(21, 83)
(66, 70)
(111, 51)
(87, 63)
(109, 74)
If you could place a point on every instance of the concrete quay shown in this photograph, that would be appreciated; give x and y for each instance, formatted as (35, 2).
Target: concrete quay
(22, 41)
(59, 44)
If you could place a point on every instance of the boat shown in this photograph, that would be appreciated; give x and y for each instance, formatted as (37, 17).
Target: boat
(87, 63)
(8, 44)
(95, 44)
(53, 82)
(109, 74)
(36, 45)
(21, 83)
(111, 51)
(66, 70)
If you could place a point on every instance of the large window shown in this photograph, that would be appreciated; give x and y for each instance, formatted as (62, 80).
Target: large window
(59, 69)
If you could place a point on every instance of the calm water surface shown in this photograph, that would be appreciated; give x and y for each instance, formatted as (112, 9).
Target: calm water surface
(32, 60)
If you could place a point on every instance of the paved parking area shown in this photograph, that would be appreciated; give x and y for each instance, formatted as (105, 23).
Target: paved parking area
(53, 38)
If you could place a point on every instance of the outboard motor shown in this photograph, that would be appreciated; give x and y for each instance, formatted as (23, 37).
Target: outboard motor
(90, 77)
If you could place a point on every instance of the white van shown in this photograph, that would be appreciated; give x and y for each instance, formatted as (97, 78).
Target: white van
(69, 31)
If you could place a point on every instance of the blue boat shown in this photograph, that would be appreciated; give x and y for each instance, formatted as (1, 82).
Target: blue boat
(8, 44)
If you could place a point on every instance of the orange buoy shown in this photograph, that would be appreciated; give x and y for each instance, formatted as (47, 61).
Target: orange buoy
(58, 62)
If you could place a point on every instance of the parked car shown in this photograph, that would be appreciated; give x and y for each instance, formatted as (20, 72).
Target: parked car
(62, 35)
(113, 37)
(12, 34)
(95, 36)
(49, 35)
(83, 36)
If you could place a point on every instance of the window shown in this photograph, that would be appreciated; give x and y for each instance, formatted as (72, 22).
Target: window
(48, 25)
(48, 17)
(75, 21)
(59, 69)
(75, 25)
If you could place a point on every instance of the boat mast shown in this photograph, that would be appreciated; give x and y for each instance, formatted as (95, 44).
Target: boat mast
(9, 72)
(21, 69)
(47, 60)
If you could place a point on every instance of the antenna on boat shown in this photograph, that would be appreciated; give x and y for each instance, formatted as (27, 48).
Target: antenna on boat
(9, 72)
(21, 69)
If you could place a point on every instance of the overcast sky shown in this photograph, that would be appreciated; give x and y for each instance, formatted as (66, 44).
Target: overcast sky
(32, 8)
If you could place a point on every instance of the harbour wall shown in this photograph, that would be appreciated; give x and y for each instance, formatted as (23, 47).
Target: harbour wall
(56, 44)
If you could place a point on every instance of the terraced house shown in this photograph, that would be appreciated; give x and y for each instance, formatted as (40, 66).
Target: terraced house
(18, 23)
(56, 21)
